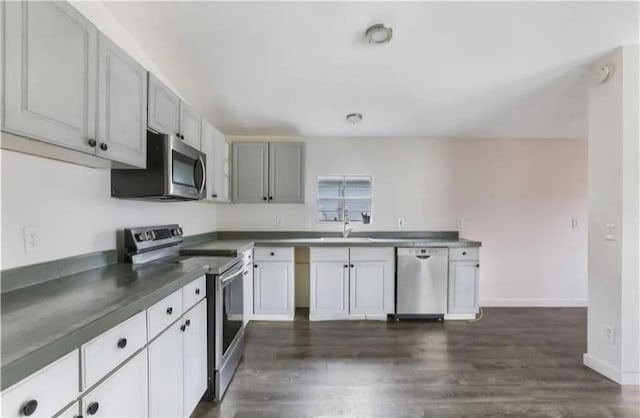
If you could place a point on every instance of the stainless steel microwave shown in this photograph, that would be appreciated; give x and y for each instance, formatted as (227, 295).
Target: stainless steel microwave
(175, 171)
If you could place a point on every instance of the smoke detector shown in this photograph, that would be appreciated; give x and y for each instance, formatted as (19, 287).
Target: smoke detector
(354, 118)
(379, 34)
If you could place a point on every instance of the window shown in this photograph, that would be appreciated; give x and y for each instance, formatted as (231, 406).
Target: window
(340, 194)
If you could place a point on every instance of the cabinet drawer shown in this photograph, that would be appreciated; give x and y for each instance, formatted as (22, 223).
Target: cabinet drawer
(164, 313)
(340, 254)
(193, 292)
(372, 254)
(48, 389)
(105, 352)
(465, 253)
(273, 254)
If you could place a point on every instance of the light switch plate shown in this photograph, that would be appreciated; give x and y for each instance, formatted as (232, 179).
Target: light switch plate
(400, 222)
(278, 220)
(459, 222)
(31, 239)
(610, 232)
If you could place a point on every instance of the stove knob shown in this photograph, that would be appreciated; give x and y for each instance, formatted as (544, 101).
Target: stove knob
(150, 235)
(175, 232)
(141, 237)
(180, 231)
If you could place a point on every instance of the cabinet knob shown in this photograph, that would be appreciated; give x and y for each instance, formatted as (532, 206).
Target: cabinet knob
(270, 197)
(104, 146)
(92, 142)
(182, 136)
(29, 408)
(197, 291)
(272, 254)
(346, 266)
(255, 266)
(464, 253)
(169, 310)
(122, 343)
(264, 198)
(93, 408)
(187, 322)
(351, 265)
(246, 272)
(182, 327)
(477, 265)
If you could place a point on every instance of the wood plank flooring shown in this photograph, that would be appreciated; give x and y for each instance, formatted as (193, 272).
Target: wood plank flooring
(520, 362)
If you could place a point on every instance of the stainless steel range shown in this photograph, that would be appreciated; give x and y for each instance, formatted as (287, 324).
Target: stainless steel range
(225, 335)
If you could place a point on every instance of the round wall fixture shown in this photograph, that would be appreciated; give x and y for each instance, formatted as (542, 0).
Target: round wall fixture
(354, 118)
(602, 73)
(379, 34)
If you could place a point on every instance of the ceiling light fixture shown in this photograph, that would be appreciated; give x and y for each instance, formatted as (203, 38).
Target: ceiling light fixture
(379, 34)
(354, 118)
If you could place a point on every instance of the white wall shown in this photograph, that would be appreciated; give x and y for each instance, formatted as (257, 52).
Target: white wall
(614, 174)
(516, 196)
(72, 204)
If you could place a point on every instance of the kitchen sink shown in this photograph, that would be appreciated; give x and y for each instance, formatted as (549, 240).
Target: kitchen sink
(330, 239)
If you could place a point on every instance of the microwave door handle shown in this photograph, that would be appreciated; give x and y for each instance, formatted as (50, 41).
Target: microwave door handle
(204, 174)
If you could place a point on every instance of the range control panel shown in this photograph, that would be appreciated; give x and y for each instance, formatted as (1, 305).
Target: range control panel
(147, 238)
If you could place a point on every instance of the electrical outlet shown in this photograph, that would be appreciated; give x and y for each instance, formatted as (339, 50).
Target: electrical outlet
(610, 334)
(459, 222)
(31, 239)
(610, 232)
(400, 222)
(278, 220)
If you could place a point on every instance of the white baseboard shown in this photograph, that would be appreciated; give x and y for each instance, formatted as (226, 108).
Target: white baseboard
(602, 367)
(487, 303)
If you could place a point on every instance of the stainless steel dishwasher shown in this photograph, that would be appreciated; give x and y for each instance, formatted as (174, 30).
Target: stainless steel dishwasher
(421, 285)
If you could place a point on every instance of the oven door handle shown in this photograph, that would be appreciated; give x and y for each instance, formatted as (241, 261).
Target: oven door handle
(228, 278)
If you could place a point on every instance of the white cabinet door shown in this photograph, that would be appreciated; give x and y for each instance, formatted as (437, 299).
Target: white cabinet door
(122, 106)
(163, 108)
(213, 145)
(222, 168)
(367, 290)
(165, 372)
(273, 288)
(463, 286)
(190, 125)
(286, 172)
(50, 74)
(329, 290)
(71, 412)
(123, 394)
(250, 172)
(195, 356)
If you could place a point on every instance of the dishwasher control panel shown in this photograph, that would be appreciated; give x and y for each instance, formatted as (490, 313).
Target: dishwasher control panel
(423, 251)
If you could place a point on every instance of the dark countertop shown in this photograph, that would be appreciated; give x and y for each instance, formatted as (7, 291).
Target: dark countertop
(233, 246)
(42, 322)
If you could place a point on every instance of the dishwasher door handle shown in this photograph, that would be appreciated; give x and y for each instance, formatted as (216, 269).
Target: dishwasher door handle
(423, 257)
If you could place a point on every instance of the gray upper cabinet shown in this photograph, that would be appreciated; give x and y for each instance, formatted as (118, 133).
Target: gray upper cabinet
(50, 54)
(164, 108)
(286, 172)
(250, 172)
(122, 106)
(190, 125)
(268, 172)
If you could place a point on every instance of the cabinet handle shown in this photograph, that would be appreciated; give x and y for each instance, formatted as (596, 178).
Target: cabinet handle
(122, 343)
(93, 408)
(169, 310)
(92, 142)
(29, 408)
(187, 322)
(197, 291)
(182, 327)
(214, 195)
(104, 146)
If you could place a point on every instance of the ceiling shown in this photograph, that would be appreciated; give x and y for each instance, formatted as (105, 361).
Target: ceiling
(453, 69)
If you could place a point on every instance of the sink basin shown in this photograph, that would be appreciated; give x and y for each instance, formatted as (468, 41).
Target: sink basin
(330, 239)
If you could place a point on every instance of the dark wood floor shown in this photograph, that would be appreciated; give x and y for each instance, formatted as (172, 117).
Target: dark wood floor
(515, 362)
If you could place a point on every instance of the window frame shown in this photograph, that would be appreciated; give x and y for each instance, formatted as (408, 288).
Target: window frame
(343, 198)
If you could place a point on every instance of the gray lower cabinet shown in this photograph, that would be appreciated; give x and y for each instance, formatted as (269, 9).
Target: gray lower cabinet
(163, 108)
(250, 172)
(190, 125)
(286, 172)
(122, 106)
(50, 67)
(463, 286)
(268, 172)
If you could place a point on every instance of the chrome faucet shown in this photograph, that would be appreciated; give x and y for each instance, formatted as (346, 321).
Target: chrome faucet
(346, 229)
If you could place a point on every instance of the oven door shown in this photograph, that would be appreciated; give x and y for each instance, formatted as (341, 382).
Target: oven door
(185, 170)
